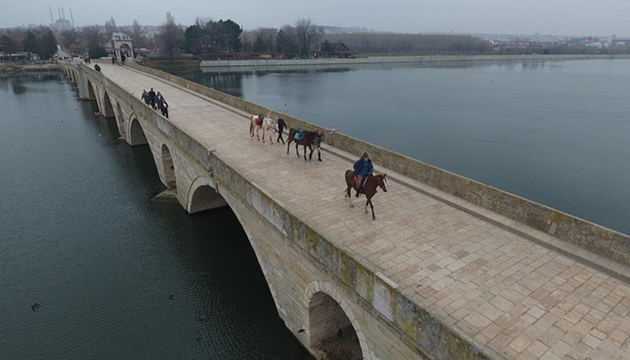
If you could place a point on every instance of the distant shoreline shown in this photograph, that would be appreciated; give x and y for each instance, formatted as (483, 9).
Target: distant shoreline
(7, 69)
(401, 59)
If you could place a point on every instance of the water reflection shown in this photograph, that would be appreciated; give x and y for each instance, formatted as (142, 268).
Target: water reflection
(19, 84)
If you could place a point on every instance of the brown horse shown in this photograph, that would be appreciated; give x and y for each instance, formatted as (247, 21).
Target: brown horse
(369, 189)
(310, 138)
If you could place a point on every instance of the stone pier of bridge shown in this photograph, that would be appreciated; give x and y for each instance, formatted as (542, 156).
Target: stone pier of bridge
(451, 268)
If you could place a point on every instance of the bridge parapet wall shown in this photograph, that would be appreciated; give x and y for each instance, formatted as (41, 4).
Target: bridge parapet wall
(600, 240)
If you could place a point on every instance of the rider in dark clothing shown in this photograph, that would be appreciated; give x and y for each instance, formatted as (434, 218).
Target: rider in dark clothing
(363, 167)
(281, 126)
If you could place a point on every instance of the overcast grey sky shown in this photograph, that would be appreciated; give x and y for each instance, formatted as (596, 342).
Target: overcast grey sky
(558, 17)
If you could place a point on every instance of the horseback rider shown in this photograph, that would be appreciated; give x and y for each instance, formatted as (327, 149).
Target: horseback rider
(363, 167)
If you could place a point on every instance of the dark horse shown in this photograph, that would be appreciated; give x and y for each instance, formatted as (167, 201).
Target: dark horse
(369, 189)
(310, 138)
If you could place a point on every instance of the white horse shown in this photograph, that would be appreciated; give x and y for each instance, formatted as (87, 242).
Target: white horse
(266, 124)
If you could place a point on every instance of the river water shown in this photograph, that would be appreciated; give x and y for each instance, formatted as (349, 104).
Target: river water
(556, 132)
(80, 237)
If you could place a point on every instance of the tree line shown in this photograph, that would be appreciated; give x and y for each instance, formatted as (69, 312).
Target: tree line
(417, 44)
(40, 41)
(208, 38)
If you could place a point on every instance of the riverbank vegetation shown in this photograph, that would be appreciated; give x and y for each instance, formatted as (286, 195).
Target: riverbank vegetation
(208, 39)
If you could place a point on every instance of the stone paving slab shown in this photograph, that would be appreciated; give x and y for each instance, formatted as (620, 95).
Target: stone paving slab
(509, 294)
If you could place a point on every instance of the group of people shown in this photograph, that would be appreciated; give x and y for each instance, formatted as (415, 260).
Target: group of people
(122, 59)
(156, 101)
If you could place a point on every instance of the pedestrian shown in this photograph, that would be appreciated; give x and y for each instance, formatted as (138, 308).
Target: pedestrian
(363, 167)
(145, 96)
(164, 107)
(158, 101)
(97, 68)
(114, 60)
(152, 97)
(281, 126)
(122, 58)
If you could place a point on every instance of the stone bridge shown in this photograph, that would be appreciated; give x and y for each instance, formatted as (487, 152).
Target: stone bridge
(451, 268)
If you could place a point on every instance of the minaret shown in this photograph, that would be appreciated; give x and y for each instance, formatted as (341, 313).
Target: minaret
(71, 17)
(59, 13)
(52, 21)
(63, 13)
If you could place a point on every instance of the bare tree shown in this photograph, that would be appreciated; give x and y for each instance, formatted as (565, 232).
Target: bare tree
(94, 39)
(268, 37)
(308, 35)
(137, 35)
(110, 27)
(170, 36)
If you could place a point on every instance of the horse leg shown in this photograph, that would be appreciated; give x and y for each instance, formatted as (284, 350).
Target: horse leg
(288, 144)
(257, 131)
(270, 140)
(310, 156)
(296, 149)
(304, 152)
(319, 154)
(349, 196)
(372, 206)
(366, 205)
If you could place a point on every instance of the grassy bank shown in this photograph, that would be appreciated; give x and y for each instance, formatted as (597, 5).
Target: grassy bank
(14, 69)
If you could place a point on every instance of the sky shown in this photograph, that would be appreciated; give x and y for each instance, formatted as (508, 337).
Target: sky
(556, 17)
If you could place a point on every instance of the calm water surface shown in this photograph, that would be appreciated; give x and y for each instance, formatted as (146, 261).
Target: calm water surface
(80, 237)
(556, 132)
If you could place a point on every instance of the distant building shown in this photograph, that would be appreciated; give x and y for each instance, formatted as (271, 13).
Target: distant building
(121, 43)
(335, 50)
(62, 25)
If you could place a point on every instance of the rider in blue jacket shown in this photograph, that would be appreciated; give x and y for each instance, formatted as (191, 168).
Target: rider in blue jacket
(363, 167)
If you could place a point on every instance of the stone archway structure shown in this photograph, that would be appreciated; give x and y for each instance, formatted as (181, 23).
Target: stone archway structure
(122, 44)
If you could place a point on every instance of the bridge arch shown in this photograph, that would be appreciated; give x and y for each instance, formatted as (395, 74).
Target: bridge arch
(90, 91)
(168, 168)
(120, 121)
(108, 109)
(202, 196)
(333, 328)
(137, 136)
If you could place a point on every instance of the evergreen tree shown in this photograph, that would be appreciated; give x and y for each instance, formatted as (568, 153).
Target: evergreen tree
(259, 45)
(326, 47)
(47, 45)
(285, 44)
(8, 45)
(30, 43)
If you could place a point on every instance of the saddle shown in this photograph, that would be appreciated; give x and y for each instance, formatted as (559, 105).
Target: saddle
(258, 120)
(357, 182)
(299, 135)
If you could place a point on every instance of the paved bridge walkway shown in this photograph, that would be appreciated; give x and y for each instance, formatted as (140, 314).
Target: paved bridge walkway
(512, 296)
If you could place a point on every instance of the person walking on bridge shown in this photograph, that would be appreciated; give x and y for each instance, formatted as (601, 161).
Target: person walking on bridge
(364, 168)
(152, 97)
(281, 126)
